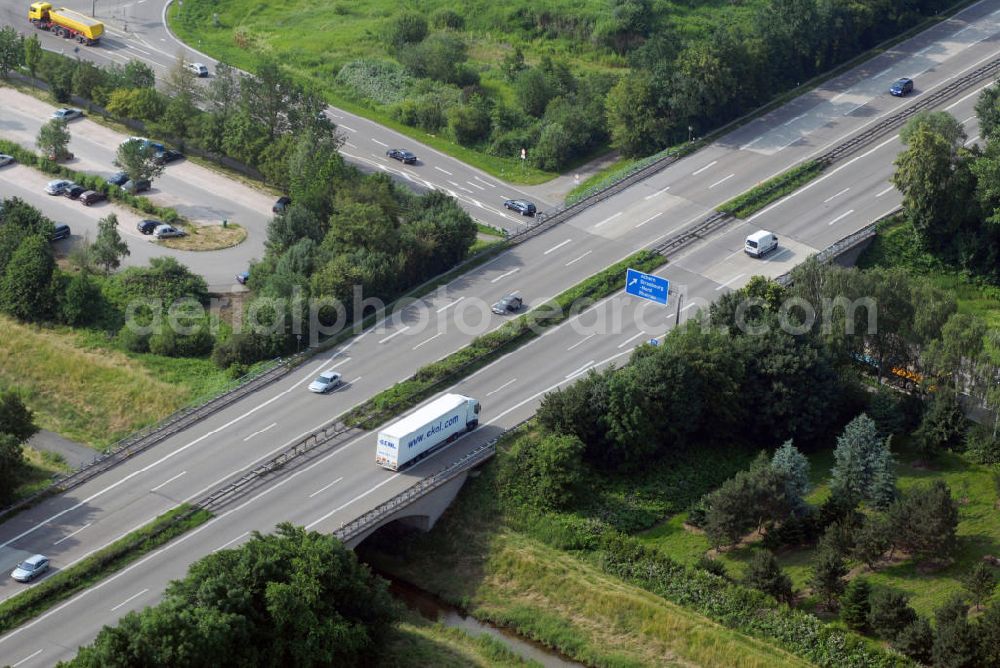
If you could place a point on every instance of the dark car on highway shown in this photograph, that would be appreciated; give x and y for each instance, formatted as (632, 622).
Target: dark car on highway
(61, 231)
(140, 186)
(117, 179)
(167, 155)
(521, 206)
(74, 191)
(901, 87)
(147, 226)
(403, 156)
(92, 197)
(283, 202)
(507, 304)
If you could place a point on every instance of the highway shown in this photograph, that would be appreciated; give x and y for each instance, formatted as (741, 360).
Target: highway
(339, 484)
(136, 30)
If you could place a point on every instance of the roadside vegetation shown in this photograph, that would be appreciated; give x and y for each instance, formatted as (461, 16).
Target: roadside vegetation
(562, 80)
(772, 190)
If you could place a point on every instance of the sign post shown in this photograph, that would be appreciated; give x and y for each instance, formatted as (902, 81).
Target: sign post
(647, 286)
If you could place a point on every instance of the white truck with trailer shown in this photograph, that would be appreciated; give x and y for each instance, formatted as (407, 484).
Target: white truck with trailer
(416, 435)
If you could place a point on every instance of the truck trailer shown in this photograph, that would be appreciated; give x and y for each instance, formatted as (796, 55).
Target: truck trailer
(65, 23)
(416, 435)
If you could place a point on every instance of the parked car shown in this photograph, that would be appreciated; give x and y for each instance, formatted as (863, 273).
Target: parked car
(325, 382)
(140, 186)
(243, 277)
(30, 568)
(281, 204)
(92, 197)
(117, 179)
(168, 232)
(167, 155)
(6, 160)
(66, 114)
(61, 231)
(507, 304)
(521, 206)
(74, 191)
(402, 155)
(901, 87)
(58, 186)
(148, 226)
(198, 69)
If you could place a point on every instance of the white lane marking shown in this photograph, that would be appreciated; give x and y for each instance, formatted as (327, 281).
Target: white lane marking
(653, 217)
(883, 73)
(166, 482)
(230, 542)
(505, 275)
(491, 185)
(841, 217)
(580, 370)
(731, 280)
(687, 307)
(836, 196)
(657, 193)
(581, 341)
(790, 121)
(354, 380)
(972, 140)
(395, 334)
(326, 487)
(130, 598)
(346, 128)
(428, 340)
(853, 109)
(967, 120)
(443, 170)
(380, 143)
(347, 143)
(887, 190)
(135, 48)
(450, 305)
(923, 50)
(721, 181)
(509, 382)
(70, 535)
(579, 258)
(260, 431)
(608, 219)
(27, 658)
(557, 247)
(751, 143)
(630, 339)
(699, 171)
(475, 185)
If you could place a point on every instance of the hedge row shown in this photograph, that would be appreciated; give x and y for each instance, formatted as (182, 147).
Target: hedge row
(485, 349)
(88, 181)
(773, 189)
(741, 608)
(65, 583)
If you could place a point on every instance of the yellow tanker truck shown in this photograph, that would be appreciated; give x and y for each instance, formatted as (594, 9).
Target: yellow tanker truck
(65, 23)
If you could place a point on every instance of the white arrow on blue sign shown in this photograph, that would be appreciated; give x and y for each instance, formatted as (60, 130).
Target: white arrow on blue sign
(647, 286)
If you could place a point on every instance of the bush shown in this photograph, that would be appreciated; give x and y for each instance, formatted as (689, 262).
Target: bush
(764, 573)
(447, 18)
(890, 613)
(981, 445)
(542, 472)
(407, 27)
(381, 81)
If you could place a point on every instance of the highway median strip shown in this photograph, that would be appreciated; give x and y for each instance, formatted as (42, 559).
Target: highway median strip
(489, 347)
(773, 189)
(61, 585)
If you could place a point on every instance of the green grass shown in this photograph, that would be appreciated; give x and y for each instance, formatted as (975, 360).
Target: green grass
(416, 643)
(37, 472)
(978, 534)
(896, 246)
(61, 585)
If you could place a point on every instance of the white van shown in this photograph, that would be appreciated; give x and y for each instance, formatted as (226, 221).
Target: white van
(760, 243)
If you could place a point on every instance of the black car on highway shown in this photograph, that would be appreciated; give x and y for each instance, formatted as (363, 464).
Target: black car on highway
(901, 87)
(74, 191)
(92, 197)
(61, 231)
(403, 156)
(167, 155)
(521, 206)
(507, 304)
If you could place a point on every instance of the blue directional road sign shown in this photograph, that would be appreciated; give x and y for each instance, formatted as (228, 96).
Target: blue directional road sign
(647, 286)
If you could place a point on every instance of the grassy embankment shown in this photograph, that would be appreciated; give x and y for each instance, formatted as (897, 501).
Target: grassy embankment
(416, 643)
(502, 569)
(314, 42)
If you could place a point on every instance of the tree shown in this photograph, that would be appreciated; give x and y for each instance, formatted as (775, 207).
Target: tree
(26, 287)
(512, 64)
(109, 248)
(872, 540)
(747, 501)
(925, 520)
(533, 91)
(943, 426)
(138, 160)
(764, 573)
(137, 74)
(11, 51)
(406, 27)
(11, 461)
(988, 634)
(862, 462)
(32, 53)
(53, 138)
(954, 637)
(16, 419)
(636, 123)
(916, 641)
(292, 598)
(988, 111)
(827, 578)
(890, 613)
(180, 82)
(793, 466)
(855, 604)
(80, 301)
(980, 582)
(940, 123)
(313, 166)
(884, 409)
(468, 124)
(546, 472)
